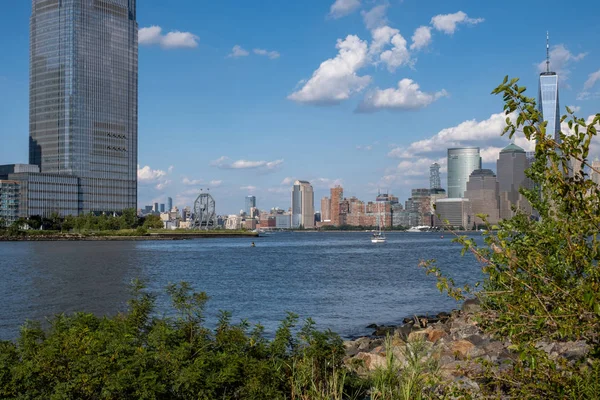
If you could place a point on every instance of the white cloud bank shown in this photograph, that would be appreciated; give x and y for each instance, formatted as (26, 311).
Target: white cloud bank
(172, 40)
(341, 8)
(448, 23)
(407, 96)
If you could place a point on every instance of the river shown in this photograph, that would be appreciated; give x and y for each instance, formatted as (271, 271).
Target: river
(341, 280)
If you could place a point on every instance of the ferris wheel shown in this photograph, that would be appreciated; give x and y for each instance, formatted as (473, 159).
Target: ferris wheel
(204, 212)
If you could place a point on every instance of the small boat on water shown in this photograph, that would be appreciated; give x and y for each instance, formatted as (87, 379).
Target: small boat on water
(378, 237)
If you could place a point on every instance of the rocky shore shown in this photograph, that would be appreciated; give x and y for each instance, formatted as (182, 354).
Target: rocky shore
(454, 340)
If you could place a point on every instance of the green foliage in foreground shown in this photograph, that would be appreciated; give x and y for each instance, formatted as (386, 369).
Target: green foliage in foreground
(541, 275)
(136, 355)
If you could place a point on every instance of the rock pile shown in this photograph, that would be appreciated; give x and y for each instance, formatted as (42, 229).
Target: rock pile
(454, 340)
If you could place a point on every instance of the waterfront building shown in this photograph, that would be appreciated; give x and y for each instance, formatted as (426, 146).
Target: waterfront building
(7, 169)
(45, 194)
(9, 202)
(511, 165)
(83, 101)
(457, 212)
(548, 102)
(250, 202)
(169, 204)
(283, 221)
(483, 193)
(434, 176)
(337, 194)
(419, 205)
(303, 209)
(234, 222)
(461, 162)
(326, 209)
(434, 196)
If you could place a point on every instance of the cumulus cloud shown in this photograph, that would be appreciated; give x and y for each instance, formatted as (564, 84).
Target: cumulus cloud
(591, 81)
(192, 182)
(421, 38)
(271, 54)
(341, 8)
(398, 55)
(485, 133)
(173, 40)
(225, 163)
(288, 180)
(375, 17)
(238, 51)
(448, 23)
(336, 79)
(147, 174)
(162, 185)
(561, 60)
(408, 96)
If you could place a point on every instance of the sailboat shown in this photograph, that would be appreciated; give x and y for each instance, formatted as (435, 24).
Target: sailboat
(379, 236)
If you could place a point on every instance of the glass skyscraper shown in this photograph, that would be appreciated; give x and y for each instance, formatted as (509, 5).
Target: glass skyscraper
(249, 204)
(84, 97)
(548, 99)
(462, 161)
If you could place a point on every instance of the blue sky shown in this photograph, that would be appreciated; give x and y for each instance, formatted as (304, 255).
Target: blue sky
(244, 97)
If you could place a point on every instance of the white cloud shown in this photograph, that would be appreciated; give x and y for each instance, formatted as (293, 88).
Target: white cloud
(336, 79)
(575, 109)
(591, 81)
(341, 8)
(408, 96)
(471, 132)
(223, 163)
(172, 40)
(398, 55)
(216, 183)
(421, 38)
(447, 23)
(375, 17)
(490, 154)
(588, 95)
(248, 188)
(364, 148)
(325, 183)
(162, 185)
(560, 61)
(147, 174)
(237, 51)
(288, 180)
(418, 167)
(271, 54)
(192, 182)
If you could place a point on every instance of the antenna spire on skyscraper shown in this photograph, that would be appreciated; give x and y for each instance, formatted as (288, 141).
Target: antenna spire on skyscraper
(547, 51)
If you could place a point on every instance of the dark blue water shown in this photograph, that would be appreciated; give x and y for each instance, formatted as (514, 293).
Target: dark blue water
(341, 280)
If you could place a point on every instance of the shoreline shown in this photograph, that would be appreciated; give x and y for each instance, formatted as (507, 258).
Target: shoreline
(150, 236)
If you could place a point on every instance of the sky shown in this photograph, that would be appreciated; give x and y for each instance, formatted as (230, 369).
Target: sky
(245, 97)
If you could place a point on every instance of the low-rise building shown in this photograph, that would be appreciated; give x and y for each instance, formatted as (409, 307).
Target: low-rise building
(457, 212)
(9, 202)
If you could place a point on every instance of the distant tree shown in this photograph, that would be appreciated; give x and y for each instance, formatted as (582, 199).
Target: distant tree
(153, 222)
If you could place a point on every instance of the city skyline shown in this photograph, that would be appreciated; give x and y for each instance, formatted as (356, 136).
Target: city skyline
(375, 153)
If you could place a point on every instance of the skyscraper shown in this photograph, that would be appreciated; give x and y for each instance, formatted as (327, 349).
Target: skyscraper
(548, 98)
(303, 205)
(337, 194)
(461, 162)
(326, 209)
(482, 192)
(511, 165)
(249, 204)
(434, 176)
(83, 97)
(169, 204)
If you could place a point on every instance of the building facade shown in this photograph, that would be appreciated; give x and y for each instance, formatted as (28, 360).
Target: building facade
(461, 162)
(511, 165)
(9, 202)
(83, 98)
(337, 194)
(548, 103)
(249, 203)
(482, 191)
(456, 212)
(303, 205)
(169, 204)
(434, 176)
(326, 210)
(47, 194)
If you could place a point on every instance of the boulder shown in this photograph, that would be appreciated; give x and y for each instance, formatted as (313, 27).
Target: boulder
(471, 306)
(371, 361)
(435, 334)
(461, 348)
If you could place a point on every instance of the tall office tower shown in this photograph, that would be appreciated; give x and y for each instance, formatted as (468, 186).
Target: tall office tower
(155, 208)
(250, 203)
(303, 205)
(162, 207)
(434, 176)
(511, 166)
(325, 209)
(337, 194)
(169, 204)
(548, 98)
(461, 162)
(83, 97)
(483, 193)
